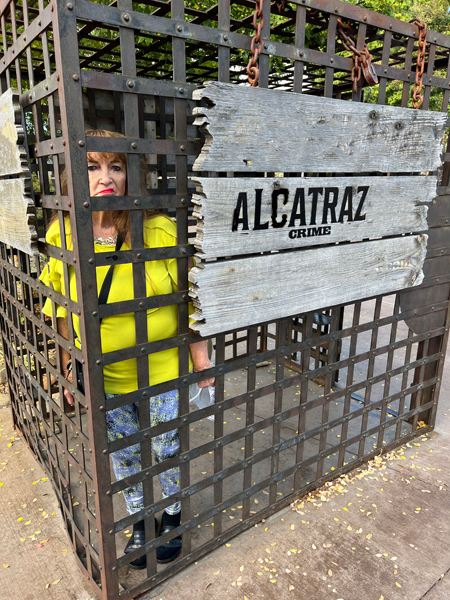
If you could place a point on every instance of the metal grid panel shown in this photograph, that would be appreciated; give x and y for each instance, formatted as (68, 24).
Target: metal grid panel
(335, 387)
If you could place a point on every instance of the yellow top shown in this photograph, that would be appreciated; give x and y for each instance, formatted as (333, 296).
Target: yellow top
(118, 332)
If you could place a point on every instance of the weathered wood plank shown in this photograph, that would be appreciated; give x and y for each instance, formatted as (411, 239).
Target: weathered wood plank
(259, 214)
(13, 157)
(258, 130)
(237, 293)
(17, 217)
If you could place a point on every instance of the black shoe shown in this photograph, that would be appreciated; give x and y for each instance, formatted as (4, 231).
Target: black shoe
(136, 541)
(170, 550)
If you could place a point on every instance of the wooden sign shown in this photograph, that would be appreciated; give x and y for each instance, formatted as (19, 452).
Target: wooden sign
(13, 156)
(17, 215)
(258, 130)
(319, 241)
(236, 293)
(258, 214)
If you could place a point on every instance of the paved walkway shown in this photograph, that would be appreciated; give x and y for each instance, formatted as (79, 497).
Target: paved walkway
(379, 533)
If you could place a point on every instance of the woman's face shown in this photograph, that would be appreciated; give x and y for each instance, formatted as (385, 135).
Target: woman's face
(107, 175)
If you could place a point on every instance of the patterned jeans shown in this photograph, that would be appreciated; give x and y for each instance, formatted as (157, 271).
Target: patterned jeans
(124, 421)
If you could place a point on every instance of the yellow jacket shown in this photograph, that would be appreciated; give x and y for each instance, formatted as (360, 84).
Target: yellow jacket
(118, 332)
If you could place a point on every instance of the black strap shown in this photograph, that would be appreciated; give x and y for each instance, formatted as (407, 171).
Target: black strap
(106, 285)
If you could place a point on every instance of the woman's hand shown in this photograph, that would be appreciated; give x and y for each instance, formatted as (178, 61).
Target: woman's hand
(201, 367)
(68, 396)
(200, 358)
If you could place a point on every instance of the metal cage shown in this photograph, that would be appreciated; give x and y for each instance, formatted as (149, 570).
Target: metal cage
(298, 401)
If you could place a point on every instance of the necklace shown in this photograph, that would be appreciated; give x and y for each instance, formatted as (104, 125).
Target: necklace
(109, 241)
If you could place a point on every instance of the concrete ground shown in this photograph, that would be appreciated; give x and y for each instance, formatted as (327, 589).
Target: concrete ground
(377, 533)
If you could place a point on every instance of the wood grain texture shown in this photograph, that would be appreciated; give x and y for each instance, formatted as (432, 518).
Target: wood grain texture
(237, 293)
(391, 206)
(277, 131)
(17, 216)
(13, 156)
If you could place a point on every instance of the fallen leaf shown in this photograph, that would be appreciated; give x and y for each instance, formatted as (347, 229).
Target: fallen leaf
(292, 527)
(241, 568)
(291, 587)
(57, 581)
(398, 585)
(217, 572)
(330, 572)
(6, 566)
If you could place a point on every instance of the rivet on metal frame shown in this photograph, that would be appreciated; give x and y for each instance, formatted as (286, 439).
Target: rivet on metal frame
(81, 143)
(179, 28)
(126, 17)
(69, 6)
(86, 204)
(130, 83)
(134, 146)
(182, 148)
(76, 77)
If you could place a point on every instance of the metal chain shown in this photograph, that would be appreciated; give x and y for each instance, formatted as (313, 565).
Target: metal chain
(252, 67)
(362, 59)
(417, 98)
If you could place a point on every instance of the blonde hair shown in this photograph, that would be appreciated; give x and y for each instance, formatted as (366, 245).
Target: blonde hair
(121, 218)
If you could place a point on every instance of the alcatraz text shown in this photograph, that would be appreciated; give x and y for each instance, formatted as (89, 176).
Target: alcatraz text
(311, 210)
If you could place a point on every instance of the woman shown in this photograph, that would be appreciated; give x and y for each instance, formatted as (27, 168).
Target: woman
(108, 177)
